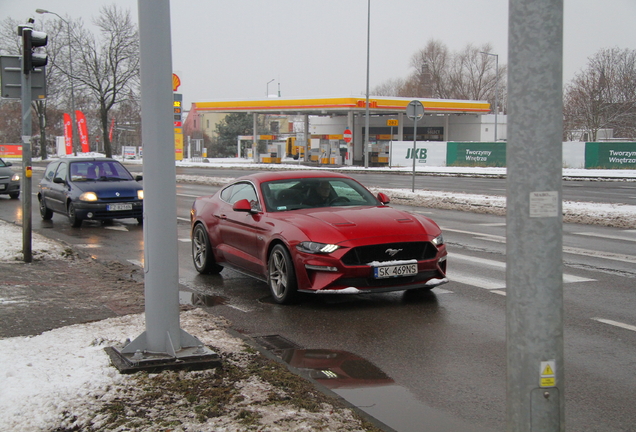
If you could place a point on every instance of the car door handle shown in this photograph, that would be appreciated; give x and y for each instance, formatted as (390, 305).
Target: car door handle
(220, 216)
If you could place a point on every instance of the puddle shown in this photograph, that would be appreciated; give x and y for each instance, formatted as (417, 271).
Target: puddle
(199, 299)
(364, 385)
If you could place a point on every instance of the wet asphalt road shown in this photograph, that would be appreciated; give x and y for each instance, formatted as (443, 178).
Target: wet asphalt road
(444, 352)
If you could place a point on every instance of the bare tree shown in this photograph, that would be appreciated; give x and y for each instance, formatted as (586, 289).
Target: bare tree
(439, 73)
(108, 70)
(603, 96)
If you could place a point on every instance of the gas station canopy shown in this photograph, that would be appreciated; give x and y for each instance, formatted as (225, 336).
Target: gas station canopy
(333, 105)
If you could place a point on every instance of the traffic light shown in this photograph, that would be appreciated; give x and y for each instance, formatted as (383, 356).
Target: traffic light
(32, 39)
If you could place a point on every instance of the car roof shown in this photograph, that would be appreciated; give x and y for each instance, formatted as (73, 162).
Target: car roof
(267, 176)
(85, 159)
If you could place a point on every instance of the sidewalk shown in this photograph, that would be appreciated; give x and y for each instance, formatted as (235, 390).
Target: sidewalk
(59, 313)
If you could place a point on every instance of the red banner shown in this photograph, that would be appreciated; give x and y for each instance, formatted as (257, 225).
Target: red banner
(110, 130)
(83, 130)
(68, 133)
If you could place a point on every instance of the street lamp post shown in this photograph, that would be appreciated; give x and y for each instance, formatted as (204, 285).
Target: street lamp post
(496, 56)
(267, 89)
(70, 76)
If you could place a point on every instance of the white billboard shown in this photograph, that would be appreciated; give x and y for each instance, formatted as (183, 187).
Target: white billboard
(430, 153)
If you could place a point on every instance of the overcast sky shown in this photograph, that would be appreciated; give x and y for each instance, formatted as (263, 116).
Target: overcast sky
(231, 49)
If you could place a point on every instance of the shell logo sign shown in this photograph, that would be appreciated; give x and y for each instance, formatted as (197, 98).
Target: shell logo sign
(176, 82)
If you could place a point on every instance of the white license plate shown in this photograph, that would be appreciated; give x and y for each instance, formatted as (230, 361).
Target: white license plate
(119, 207)
(394, 271)
(3, 186)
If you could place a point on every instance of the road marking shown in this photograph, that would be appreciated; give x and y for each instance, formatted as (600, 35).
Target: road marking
(566, 249)
(503, 293)
(600, 254)
(478, 282)
(606, 236)
(189, 196)
(489, 283)
(492, 236)
(616, 324)
(493, 224)
(185, 240)
(183, 219)
(117, 228)
(88, 246)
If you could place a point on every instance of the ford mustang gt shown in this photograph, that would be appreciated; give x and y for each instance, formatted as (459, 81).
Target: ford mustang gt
(315, 232)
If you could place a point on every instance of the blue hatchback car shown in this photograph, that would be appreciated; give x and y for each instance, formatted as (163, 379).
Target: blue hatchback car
(90, 188)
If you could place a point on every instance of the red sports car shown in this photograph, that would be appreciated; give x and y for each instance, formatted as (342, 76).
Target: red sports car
(315, 232)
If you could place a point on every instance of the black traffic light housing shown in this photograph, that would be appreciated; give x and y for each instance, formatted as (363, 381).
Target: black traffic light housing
(32, 39)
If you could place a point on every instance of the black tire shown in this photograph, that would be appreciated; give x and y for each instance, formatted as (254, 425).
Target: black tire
(45, 212)
(140, 220)
(202, 255)
(72, 216)
(281, 275)
(14, 195)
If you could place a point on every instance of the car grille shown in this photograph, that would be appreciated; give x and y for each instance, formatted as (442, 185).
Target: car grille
(382, 252)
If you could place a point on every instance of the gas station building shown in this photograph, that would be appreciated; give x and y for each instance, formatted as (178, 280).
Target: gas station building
(316, 126)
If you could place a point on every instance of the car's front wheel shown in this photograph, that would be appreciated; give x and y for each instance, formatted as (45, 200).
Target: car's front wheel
(75, 221)
(45, 212)
(202, 254)
(14, 195)
(281, 275)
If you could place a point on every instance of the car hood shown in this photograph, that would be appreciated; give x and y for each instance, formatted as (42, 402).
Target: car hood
(6, 171)
(335, 225)
(110, 189)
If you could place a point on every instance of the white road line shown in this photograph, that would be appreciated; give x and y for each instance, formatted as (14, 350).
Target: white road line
(475, 281)
(117, 228)
(493, 224)
(183, 219)
(606, 236)
(189, 196)
(503, 293)
(616, 324)
(600, 254)
(498, 237)
(567, 278)
(185, 240)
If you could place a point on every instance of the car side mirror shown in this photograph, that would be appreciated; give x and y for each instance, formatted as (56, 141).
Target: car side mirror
(7, 163)
(139, 178)
(243, 206)
(384, 198)
(59, 180)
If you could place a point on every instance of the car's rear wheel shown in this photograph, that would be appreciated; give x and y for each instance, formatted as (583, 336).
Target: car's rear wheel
(45, 212)
(75, 221)
(281, 275)
(202, 254)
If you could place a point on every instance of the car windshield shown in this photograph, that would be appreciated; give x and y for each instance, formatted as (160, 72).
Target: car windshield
(2, 164)
(292, 194)
(99, 171)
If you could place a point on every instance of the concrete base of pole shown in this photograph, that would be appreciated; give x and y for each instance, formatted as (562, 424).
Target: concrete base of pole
(134, 358)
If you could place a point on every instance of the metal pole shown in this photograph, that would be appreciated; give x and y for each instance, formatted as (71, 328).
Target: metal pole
(414, 149)
(70, 76)
(27, 251)
(496, 56)
(366, 119)
(534, 271)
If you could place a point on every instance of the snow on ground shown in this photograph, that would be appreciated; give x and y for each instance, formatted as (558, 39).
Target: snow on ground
(66, 369)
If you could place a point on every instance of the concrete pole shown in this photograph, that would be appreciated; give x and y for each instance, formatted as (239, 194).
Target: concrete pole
(534, 272)
(163, 334)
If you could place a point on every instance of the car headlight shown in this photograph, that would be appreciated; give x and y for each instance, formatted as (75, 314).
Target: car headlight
(140, 194)
(15, 177)
(439, 240)
(88, 196)
(316, 248)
